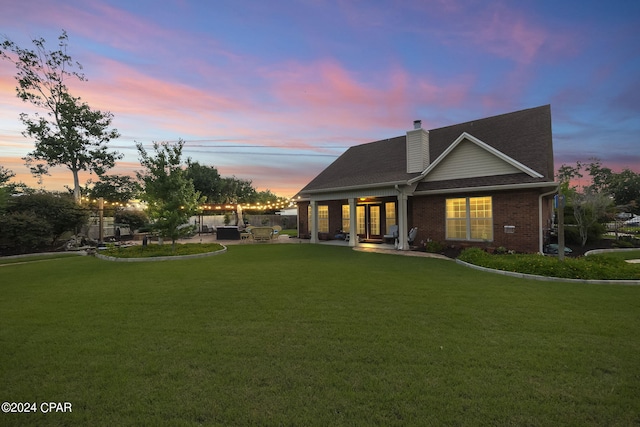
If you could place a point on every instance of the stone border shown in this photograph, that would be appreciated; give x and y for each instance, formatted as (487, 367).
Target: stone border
(161, 258)
(549, 279)
(36, 254)
(604, 251)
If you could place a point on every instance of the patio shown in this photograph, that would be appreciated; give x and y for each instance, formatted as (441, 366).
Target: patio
(363, 247)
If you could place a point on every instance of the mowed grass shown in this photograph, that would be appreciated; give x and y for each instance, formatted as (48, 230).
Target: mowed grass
(313, 335)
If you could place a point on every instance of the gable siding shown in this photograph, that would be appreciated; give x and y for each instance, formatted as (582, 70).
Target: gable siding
(468, 160)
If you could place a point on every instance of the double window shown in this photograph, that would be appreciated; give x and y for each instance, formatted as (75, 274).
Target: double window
(470, 218)
(323, 218)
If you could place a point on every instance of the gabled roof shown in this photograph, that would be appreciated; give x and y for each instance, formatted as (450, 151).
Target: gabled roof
(521, 139)
(370, 164)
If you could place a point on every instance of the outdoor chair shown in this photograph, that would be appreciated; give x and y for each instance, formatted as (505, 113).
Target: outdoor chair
(276, 231)
(393, 232)
(262, 234)
(246, 234)
(412, 235)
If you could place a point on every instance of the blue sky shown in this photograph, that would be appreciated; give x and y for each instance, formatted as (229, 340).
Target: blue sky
(274, 91)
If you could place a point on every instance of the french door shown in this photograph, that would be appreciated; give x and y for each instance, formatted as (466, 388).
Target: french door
(369, 221)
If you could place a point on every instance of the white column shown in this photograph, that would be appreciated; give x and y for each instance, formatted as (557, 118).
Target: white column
(353, 223)
(314, 221)
(403, 227)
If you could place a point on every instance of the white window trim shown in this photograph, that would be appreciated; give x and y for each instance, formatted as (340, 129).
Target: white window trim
(467, 219)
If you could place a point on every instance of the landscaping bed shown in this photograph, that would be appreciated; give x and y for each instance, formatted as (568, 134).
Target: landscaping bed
(595, 267)
(165, 250)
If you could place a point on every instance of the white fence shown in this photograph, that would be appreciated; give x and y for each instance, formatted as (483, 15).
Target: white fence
(211, 221)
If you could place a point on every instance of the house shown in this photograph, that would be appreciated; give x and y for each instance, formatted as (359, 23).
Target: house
(486, 182)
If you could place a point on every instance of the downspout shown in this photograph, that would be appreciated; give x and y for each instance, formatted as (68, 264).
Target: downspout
(540, 232)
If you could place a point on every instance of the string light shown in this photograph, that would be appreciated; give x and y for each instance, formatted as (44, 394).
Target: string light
(259, 206)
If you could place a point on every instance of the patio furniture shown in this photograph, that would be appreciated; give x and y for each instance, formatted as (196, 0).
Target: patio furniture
(276, 231)
(246, 234)
(393, 232)
(262, 234)
(228, 233)
(412, 235)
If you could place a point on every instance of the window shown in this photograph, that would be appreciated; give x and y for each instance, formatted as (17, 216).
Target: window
(323, 219)
(390, 215)
(470, 218)
(346, 218)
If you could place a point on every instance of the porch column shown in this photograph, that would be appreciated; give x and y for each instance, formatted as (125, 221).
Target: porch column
(353, 223)
(313, 227)
(403, 227)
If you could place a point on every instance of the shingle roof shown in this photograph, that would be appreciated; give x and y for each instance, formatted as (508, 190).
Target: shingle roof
(523, 135)
(372, 163)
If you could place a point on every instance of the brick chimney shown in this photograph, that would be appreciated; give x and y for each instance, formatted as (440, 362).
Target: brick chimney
(417, 148)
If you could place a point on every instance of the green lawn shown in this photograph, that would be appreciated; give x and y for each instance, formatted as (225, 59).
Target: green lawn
(313, 335)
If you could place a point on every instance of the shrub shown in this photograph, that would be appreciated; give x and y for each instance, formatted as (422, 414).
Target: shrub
(161, 250)
(603, 267)
(433, 246)
(59, 211)
(33, 221)
(134, 219)
(22, 232)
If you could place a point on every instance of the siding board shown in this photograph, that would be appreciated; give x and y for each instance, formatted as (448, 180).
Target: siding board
(468, 160)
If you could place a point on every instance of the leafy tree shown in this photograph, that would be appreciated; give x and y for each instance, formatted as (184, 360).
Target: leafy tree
(134, 219)
(116, 188)
(588, 208)
(171, 196)
(566, 174)
(58, 212)
(218, 189)
(206, 180)
(625, 187)
(236, 190)
(601, 177)
(5, 175)
(23, 232)
(70, 134)
(266, 196)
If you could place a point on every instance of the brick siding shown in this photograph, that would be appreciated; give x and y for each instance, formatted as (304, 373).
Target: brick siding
(519, 209)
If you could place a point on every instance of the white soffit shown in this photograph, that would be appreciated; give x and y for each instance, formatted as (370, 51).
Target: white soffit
(469, 157)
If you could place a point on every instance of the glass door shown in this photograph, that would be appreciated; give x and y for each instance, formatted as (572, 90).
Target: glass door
(369, 223)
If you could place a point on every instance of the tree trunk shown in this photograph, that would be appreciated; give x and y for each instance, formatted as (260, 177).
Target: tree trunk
(76, 186)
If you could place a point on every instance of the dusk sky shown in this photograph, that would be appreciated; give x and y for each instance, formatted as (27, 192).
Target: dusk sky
(274, 91)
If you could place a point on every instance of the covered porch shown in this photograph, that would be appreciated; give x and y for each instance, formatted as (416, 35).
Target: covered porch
(354, 219)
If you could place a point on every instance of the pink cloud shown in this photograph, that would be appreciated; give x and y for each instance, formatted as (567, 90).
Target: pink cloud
(326, 92)
(504, 30)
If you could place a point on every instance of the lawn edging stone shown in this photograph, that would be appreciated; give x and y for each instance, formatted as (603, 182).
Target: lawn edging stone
(548, 278)
(604, 251)
(37, 254)
(161, 258)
